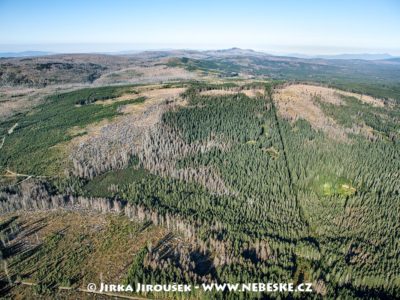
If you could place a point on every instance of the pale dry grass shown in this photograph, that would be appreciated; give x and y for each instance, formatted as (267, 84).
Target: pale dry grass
(253, 93)
(324, 94)
(91, 129)
(14, 100)
(123, 97)
(295, 102)
(330, 95)
(218, 92)
(148, 74)
(300, 101)
(249, 93)
(365, 99)
(162, 93)
(153, 97)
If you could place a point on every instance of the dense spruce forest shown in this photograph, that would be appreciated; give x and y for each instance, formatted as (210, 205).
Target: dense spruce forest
(297, 204)
(247, 194)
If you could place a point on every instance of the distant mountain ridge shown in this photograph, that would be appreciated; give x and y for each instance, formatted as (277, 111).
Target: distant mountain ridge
(362, 56)
(219, 52)
(25, 53)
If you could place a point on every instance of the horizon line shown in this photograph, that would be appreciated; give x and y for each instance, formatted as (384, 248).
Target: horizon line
(339, 55)
(308, 50)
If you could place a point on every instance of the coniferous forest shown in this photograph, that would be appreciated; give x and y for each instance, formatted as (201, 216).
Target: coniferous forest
(227, 180)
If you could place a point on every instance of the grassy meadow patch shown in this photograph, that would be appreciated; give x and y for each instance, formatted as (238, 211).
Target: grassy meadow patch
(331, 185)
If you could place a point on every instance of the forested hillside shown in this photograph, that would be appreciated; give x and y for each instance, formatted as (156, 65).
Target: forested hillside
(242, 181)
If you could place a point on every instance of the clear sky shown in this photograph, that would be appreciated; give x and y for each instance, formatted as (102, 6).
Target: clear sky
(312, 27)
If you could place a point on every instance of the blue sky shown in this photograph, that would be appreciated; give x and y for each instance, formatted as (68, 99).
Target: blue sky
(313, 27)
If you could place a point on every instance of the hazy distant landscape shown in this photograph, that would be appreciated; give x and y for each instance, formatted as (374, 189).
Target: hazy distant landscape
(199, 150)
